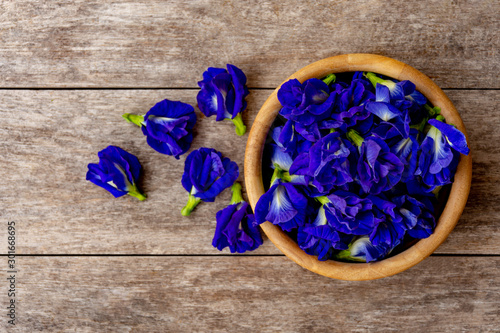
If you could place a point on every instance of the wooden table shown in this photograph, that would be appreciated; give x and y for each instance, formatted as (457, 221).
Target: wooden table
(87, 262)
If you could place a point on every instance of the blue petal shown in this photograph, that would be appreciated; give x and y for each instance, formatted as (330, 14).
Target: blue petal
(94, 177)
(227, 180)
(384, 111)
(223, 87)
(207, 100)
(239, 82)
(281, 208)
(455, 138)
(280, 158)
(286, 94)
(382, 94)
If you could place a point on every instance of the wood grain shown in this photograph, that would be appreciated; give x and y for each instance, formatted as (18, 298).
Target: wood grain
(250, 294)
(169, 43)
(49, 136)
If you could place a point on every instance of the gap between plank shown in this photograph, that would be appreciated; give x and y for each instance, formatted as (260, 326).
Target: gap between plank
(218, 255)
(186, 88)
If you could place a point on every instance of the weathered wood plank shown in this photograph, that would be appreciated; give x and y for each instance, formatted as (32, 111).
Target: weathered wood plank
(250, 294)
(169, 43)
(47, 138)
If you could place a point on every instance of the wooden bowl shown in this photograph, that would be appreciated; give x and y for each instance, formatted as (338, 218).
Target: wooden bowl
(416, 253)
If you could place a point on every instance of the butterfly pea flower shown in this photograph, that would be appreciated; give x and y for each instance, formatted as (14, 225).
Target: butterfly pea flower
(326, 163)
(362, 250)
(400, 90)
(236, 227)
(206, 174)
(388, 114)
(389, 228)
(348, 213)
(349, 107)
(378, 169)
(417, 215)
(168, 126)
(290, 140)
(223, 94)
(116, 172)
(320, 239)
(440, 153)
(305, 103)
(407, 151)
(454, 138)
(283, 205)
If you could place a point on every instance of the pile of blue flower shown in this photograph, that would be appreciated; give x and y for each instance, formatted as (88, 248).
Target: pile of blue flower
(358, 164)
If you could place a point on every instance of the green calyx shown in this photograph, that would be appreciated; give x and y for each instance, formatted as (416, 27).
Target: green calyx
(134, 119)
(345, 255)
(280, 174)
(440, 118)
(421, 126)
(355, 137)
(323, 200)
(241, 129)
(134, 192)
(329, 78)
(237, 196)
(191, 204)
(433, 111)
(374, 79)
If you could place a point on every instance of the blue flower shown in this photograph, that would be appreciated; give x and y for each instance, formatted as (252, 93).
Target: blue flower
(289, 140)
(236, 227)
(168, 126)
(417, 214)
(437, 161)
(454, 138)
(348, 213)
(326, 163)
(390, 228)
(402, 90)
(349, 107)
(117, 172)
(378, 169)
(305, 103)
(407, 151)
(206, 174)
(388, 114)
(223, 94)
(282, 205)
(320, 239)
(363, 250)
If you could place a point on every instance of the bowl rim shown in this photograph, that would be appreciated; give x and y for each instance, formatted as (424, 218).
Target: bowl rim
(416, 253)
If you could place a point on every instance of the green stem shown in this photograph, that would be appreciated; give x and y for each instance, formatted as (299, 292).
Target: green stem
(355, 137)
(134, 119)
(237, 196)
(191, 204)
(241, 129)
(136, 194)
(329, 78)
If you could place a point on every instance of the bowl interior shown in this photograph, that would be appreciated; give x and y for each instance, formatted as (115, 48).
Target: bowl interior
(397, 263)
